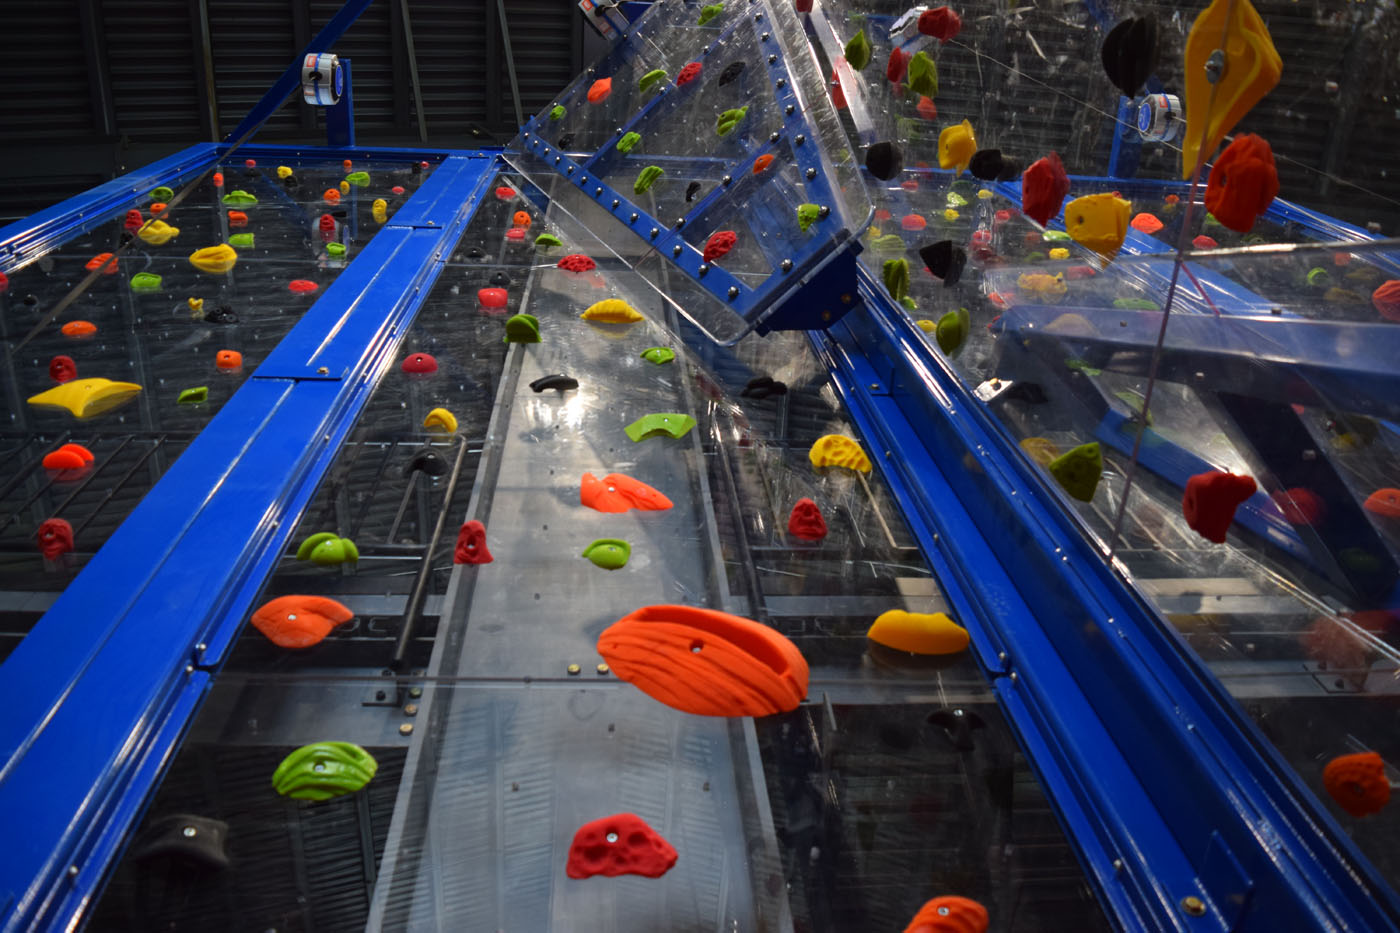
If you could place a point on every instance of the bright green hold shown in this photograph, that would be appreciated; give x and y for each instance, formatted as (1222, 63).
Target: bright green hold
(726, 122)
(658, 355)
(193, 396)
(239, 197)
(807, 214)
(162, 194)
(909, 303)
(710, 12)
(243, 239)
(145, 282)
(858, 51)
(327, 549)
(955, 200)
(896, 276)
(1134, 401)
(324, 770)
(609, 553)
(522, 328)
(546, 240)
(651, 79)
(1036, 256)
(335, 250)
(1319, 277)
(889, 243)
(557, 112)
(671, 423)
(1135, 304)
(922, 75)
(1211, 221)
(1080, 366)
(1055, 236)
(646, 179)
(1079, 470)
(358, 179)
(952, 330)
(626, 143)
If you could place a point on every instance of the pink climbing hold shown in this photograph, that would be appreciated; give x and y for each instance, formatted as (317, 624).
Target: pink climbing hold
(516, 234)
(419, 364)
(471, 545)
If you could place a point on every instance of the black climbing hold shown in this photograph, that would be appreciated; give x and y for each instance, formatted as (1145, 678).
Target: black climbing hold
(500, 279)
(31, 300)
(415, 168)
(691, 190)
(475, 252)
(428, 461)
(762, 387)
(884, 160)
(1029, 392)
(957, 726)
(127, 237)
(290, 182)
(251, 172)
(223, 314)
(195, 841)
(989, 164)
(945, 261)
(566, 140)
(730, 72)
(340, 213)
(554, 381)
(1130, 53)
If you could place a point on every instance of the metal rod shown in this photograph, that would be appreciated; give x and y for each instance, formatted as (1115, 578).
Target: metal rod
(413, 72)
(403, 506)
(23, 472)
(119, 484)
(510, 64)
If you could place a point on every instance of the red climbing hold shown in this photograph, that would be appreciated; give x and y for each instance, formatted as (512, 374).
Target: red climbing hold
(1211, 499)
(910, 184)
(492, 298)
(1243, 182)
(516, 234)
(1002, 216)
(134, 220)
(1386, 300)
(419, 364)
(838, 96)
(941, 23)
(68, 457)
(982, 238)
(1080, 272)
(719, 243)
(250, 163)
(1204, 242)
(926, 109)
(600, 90)
(804, 6)
(896, 66)
(688, 74)
(806, 521)
(302, 286)
(237, 219)
(1043, 188)
(912, 222)
(1301, 506)
(63, 369)
(55, 538)
(397, 189)
(326, 224)
(577, 262)
(622, 844)
(762, 162)
(505, 193)
(218, 179)
(471, 545)
(103, 261)
(882, 215)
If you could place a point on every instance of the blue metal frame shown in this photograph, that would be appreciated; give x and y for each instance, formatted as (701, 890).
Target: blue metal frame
(141, 630)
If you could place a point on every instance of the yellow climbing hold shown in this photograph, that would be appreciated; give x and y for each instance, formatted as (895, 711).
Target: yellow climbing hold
(196, 304)
(918, 632)
(1040, 449)
(345, 187)
(612, 311)
(926, 325)
(214, 259)
(1098, 221)
(1252, 68)
(839, 451)
(1059, 252)
(158, 232)
(984, 194)
(440, 419)
(86, 398)
(284, 171)
(956, 146)
(950, 214)
(379, 210)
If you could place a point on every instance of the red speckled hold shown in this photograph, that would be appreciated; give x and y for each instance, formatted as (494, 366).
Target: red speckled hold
(505, 193)
(302, 286)
(63, 369)
(1204, 242)
(1386, 300)
(134, 220)
(577, 262)
(927, 109)
(492, 298)
(804, 6)
(912, 222)
(55, 538)
(896, 66)
(688, 74)
(326, 224)
(882, 215)
(950, 915)
(981, 238)
(622, 844)
(471, 545)
(719, 243)
(806, 521)
(397, 189)
(941, 23)
(1301, 506)
(1211, 499)
(1002, 216)
(1243, 183)
(419, 364)
(1043, 188)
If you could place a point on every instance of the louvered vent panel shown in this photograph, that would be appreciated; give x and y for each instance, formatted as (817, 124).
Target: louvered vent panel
(253, 41)
(368, 45)
(152, 67)
(450, 42)
(43, 66)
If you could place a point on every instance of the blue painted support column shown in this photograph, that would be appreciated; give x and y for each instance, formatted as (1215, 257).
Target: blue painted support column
(340, 119)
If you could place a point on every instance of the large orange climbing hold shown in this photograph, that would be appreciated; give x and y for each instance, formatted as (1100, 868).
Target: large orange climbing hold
(1252, 69)
(299, 621)
(949, 915)
(706, 662)
(521, 219)
(1384, 502)
(618, 492)
(1357, 782)
(1386, 300)
(600, 90)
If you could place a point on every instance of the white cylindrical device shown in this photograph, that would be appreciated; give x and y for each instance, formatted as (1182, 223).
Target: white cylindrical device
(322, 81)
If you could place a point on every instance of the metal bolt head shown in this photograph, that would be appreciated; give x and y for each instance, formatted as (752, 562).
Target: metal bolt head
(557, 160)
(800, 139)
(825, 212)
(786, 265)
(1193, 905)
(189, 832)
(782, 82)
(725, 180)
(704, 268)
(619, 131)
(615, 203)
(811, 173)
(406, 729)
(680, 222)
(633, 218)
(415, 692)
(602, 670)
(322, 370)
(765, 37)
(772, 59)
(411, 709)
(774, 137)
(733, 292)
(569, 170)
(1215, 65)
(598, 192)
(789, 109)
(653, 232)
(676, 250)
(573, 670)
(583, 180)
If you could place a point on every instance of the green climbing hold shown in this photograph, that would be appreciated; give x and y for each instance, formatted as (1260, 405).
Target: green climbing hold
(708, 13)
(889, 243)
(909, 303)
(858, 51)
(522, 328)
(922, 75)
(896, 276)
(193, 396)
(1080, 366)
(358, 179)
(557, 112)
(145, 282)
(1135, 304)
(670, 423)
(807, 215)
(1135, 402)
(651, 79)
(1055, 236)
(1211, 221)
(1036, 256)
(1078, 471)
(239, 197)
(546, 240)
(327, 549)
(952, 330)
(658, 355)
(162, 194)
(609, 553)
(646, 179)
(1319, 277)
(324, 770)
(955, 200)
(335, 250)
(726, 121)
(241, 239)
(626, 143)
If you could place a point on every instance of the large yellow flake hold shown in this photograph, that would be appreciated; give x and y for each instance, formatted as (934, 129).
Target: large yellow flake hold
(1098, 221)
(918, 632)
(158, 233)
(612, 311)
(840, 451)
(217, 260)
(1252, 69)
(86, 398)
(956, 146)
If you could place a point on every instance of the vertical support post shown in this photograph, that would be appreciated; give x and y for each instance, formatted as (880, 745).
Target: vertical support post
(104, 113)
(301, 36)
(204, 69)
(493, 70)
(399, 61)
(510, 64)
(340, 119)
(418, 107)
(1127, 145)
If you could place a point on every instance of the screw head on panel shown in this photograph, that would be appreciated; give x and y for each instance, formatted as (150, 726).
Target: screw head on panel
(811, 173)
(704, 268)
(653, 233)
(633, 218)
(786, 265)
(676, 250)
(733, 292)
(725, 180)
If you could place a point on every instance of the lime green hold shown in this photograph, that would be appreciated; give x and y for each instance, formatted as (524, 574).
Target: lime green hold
(1319, 277)
(145, 282)
(896, 275)
(327, 550)
(522, 328)
(1079, 470)
(358, 179)
(658, 355)
(668, 423)
(922, 75)
(335, 250)
(1211, 221)
(1135, 304)
(858, 51)
(609, 553)
(1134, 401)
(324, 770)
(193, 396)
(239, 198)
(557, 112)
(889, 243)
(807, 214)
(728, 120)
(646, 179)
(241, 239)
(1036, 256)
(162, 193)
(547, 240)
(1080, 366)
(651, 79)
(625, 144)
(955, 200)
(909, 303)
(710, 12)
(952, 330)
(1055, 236)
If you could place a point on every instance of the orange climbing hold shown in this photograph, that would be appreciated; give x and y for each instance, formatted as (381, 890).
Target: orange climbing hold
(299, 621)
(79, 329)
(706, 662)
(332, 196)
(521, 219)
(949, 915)
(237, 219)
(762, 162)
(1357, 782)
(68, 457)
(600, 90)
(618, 492)
(103, 261)
(157, 208)
(1384, 502)
(1147, 223)
(228, 359)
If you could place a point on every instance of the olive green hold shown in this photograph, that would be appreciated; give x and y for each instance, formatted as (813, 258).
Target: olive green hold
(727, 121)
(889, 243)
(1135, 304)
(358, 179)
(1134, 401)
(522, 328)
(193, 396)
(145, 282)
(710, 12)
(327, 550)
(626, 143)
(952, 330)
(646, 179)
(1080, 366)
(239, 198)
(1319, 277)
(324, 770)
(922, 75)
(807, 214)
(1078, 471)
(658, 355)
(896, 276)
(651, 79)
(335, 250)
(1036, 256)
(955, 200)
(162, 193)
(547, 240)
(858, 51)
(557, 112)
(669, 423)
(909, 303)
(242, 239)
(609, 553)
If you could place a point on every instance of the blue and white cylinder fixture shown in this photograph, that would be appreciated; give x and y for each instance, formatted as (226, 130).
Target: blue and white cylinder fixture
(1159, 117)
(322, 79)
